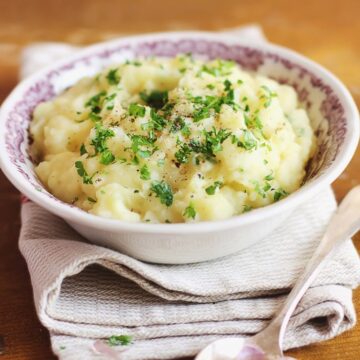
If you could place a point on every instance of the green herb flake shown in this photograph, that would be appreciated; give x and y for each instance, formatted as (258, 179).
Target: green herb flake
(110, 101)
(183, 154)
(179, 124)
(269, 177)
(190, 211)
(211, 144)
(136, 110)
(248, 141)
(267, 187)
(201, 114)
(94, 117)
(83, 149)
(142, 146)
(90, 199)
(101, 136)
(145, 173)
(113, 77)
(259, 189)
(267, 95)
(135, 160)
(119, 340)
(203, 105)
(107, 157)
(253, 122)
(246, 208)
(82, 172)
(95, 102)
(210, 190)
(227, 85)
(133, 62)
(279, 194)
(163, 191)
(157, 121)
(155, 99)
(210, 86)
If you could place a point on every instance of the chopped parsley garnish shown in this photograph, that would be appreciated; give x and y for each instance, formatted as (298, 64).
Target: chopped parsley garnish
(94, 117)
(133, 62)
(155, 99)
(91, 199)
(247, 208)
(179, 124)
(210, 190)
(143, 146)
(107, 157)
(279, 194)
(183, 154)
(163, 191)
(116, 340)
(267, 95)
(253, 122)
(95, 102)
(158, 122)
(269, 177)
(136, 110)
(145, 173)
(113, 77)
(267, 186)
(99, 143)
(214, 71)
(203, 105)
(201, 114)
(83, 149)
(208, 147)
(210, 86)
(101, 135)
(259, 189)
(220, 68)
(83, 173)
(247, 140)
(110, 101)
(190, 211)
(213, 141)
(227, 85)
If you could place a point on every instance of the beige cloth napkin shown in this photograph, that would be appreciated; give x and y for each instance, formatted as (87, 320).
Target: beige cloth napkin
(84, 292)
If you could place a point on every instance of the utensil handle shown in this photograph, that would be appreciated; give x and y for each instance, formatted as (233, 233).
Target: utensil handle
(343, 224)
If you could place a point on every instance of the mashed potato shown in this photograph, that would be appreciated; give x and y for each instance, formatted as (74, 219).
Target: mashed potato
(172, 140)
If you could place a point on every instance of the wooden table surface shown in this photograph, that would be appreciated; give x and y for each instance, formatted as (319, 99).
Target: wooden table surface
(326, 31)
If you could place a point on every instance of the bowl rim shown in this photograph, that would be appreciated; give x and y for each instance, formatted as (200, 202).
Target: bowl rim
(77, 215)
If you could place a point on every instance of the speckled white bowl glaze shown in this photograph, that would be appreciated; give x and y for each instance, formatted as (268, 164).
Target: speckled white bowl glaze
(331, 108)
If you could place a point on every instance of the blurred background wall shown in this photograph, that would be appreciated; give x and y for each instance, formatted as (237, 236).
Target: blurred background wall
(326, 30)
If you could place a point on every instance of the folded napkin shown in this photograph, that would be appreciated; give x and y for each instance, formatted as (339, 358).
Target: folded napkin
(84, 292)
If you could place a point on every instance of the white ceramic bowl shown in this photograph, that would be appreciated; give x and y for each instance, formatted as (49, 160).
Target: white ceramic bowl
(332, 110)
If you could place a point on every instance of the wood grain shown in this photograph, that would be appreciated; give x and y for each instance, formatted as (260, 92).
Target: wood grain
(326, 31)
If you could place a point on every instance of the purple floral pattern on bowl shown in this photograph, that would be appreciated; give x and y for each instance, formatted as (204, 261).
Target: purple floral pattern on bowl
(330, 125)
